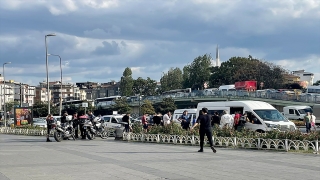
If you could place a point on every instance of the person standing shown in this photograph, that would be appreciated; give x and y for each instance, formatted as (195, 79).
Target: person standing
(205, 129)
(167, 118)
(215, 119)
(185, 120)
(313, 121)
(49, 120)
(144, 122)
(126, 119)
(307, 120)
(236, 120)
(226, 120)
(82, 119)
(75, 121)
(156, 119)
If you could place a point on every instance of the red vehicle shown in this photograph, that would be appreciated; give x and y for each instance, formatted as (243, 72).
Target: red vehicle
(246, 85)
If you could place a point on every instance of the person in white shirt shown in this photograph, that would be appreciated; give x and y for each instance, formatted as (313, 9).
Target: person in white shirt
(313, 121)
(226, 120)
(166, 118)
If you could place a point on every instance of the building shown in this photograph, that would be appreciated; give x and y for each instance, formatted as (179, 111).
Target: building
(19, 92)
(290, 79)
(93, 90)
(308, 77)
(41, 94)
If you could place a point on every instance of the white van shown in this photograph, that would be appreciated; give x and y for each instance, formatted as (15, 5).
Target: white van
(296, 112)
(178, 112)
(316, 113)
(267, 117)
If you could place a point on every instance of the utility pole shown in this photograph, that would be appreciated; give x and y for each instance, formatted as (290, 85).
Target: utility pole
(21, 95)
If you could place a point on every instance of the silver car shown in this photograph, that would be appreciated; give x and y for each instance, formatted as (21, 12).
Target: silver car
(39, 122)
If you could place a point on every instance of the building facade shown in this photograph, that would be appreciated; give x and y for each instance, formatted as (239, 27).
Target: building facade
(19, 92)
(308, 77)
(41, 95)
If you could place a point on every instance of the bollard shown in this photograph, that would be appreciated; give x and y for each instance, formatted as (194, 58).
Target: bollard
(192, 140)
(317, 146)
(158, 138)
(235, 141)
(259, 144)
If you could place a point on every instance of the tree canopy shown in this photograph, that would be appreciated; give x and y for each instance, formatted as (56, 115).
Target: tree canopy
(171, 80)
(126, 83)
(167, 104)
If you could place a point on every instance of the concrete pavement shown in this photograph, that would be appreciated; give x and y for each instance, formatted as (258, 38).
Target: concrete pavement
(30, 158)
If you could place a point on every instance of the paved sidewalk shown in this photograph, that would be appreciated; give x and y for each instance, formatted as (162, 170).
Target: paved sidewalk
(30, 158)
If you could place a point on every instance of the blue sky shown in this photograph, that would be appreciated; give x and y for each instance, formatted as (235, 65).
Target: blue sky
(97, 39)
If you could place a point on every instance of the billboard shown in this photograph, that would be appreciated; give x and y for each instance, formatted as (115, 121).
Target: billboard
(23, 116)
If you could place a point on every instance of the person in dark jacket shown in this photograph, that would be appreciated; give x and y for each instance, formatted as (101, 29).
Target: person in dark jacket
(205, 129)
(82, 119)
(75, 121)
(49, 120)
(215, 119)
(126, 119)
(156, 119)
(64, 117)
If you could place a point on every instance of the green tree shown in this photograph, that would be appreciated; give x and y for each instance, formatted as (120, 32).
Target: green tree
(167, 104)
(171, 80)
(126, 83)
(145, 87)
(317, 83)
(40, 109)
(121, 105)
(198, 72)
(11, 105)
(147, 107)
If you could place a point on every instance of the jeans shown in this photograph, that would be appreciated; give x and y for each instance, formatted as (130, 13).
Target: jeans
(207, 132)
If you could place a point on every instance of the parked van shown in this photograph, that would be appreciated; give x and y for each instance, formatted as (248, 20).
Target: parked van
(316, 112)
(263, 115)
(178, 112)
(296, 112)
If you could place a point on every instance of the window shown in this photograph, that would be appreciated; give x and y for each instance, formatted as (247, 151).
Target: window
(211, 112)
(106, 119)
(270, 115)
(113, 120)
(291, 111)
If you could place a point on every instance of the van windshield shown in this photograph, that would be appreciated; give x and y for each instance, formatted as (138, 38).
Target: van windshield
(304, 111)
(270, 115)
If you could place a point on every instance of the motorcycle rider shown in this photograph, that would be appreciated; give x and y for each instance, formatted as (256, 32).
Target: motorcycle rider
(91, 116)
(64, 118)
(82, 119)
(76, 124)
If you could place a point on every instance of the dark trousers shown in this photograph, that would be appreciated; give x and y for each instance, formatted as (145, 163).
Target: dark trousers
(207, 132)
(82, 131)
(308, 127)
(127, 128)
(76, 130)
(48, 130)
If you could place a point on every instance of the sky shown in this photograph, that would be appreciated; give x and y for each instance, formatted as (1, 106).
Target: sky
(98, 39)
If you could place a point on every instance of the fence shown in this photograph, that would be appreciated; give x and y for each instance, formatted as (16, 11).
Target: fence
(234, 142)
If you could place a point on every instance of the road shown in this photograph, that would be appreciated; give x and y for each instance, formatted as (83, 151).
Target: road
(30, 158)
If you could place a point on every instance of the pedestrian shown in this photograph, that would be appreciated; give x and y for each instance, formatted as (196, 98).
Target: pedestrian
(313, 121)
(307, 120)
(226, 120)
(205, 129)
(185, 120)
(145, 122)
(126, 119)
(49, 120)
(166, 118)
(156, 119)
(82, 120)
(237, 120)
(215, 119)
(75, 121)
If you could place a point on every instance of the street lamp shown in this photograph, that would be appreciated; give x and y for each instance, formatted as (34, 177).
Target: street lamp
(48, 91)
(139, 104)
(60, 82)
(4, 96)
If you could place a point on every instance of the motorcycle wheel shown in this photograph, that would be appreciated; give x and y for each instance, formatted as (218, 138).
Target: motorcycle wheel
(89, 135)
(57, 136)
(104, 134)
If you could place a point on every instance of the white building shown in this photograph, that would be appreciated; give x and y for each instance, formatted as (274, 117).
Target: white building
(7, 93)
(41, 95)
(305, 76)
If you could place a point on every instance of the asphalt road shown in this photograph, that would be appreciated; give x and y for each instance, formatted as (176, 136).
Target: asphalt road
(31, 158)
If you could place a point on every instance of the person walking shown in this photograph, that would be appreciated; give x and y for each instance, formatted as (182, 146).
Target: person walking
(49, 120)
(205, 129)
(75, 121)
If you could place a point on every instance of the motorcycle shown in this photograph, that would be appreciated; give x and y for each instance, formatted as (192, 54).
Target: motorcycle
(63, 131)
(100, 128)
(90, 132)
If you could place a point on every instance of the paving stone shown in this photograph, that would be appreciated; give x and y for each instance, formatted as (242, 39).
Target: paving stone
(31, 158)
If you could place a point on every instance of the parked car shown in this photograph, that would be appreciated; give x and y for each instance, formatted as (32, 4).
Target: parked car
(113, 121)
(39, 122)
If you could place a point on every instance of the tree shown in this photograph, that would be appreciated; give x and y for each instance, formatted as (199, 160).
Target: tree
(145, 87)
(198, 72)
(40, 109)
(317, 83)
(121, 105)
(11, 105)
(171, 80)
(167, 104)
(126, 83)
(147, 107)
(244, 69)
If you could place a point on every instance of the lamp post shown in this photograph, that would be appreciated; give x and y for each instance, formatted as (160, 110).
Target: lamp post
(4, 96)
(48, 91)
(60, 82)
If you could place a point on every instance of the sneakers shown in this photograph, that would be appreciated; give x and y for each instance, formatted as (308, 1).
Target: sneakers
(213, 149)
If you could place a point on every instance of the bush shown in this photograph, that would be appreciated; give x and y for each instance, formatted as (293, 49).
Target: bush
(176, 129)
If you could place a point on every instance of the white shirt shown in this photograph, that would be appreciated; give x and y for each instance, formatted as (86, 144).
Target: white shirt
(313, 118)
(226, 119)
(166, 119)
